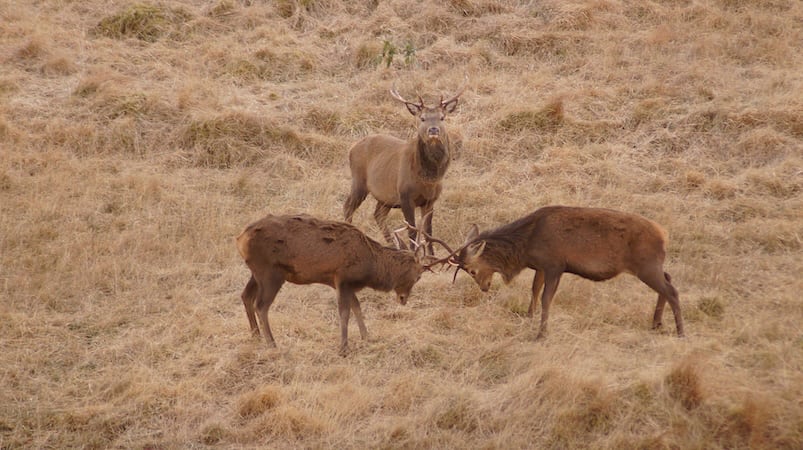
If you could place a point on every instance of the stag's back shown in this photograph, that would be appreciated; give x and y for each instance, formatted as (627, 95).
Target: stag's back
(595, 243)
(306, 250)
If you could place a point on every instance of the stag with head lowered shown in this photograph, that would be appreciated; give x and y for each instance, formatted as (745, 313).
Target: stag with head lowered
(302, 249)
(594, 243)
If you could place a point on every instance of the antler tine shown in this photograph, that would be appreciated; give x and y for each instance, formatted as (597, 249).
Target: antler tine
(458, 93)
(395, 93)
(447, 259)
(399, 241)
(426, 235)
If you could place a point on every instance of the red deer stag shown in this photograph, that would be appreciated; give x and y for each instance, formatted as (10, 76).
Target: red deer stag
(403, 174)
(596, 244)
(304, 250)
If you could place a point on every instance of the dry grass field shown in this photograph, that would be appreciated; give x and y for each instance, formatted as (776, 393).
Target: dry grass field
(138, 139)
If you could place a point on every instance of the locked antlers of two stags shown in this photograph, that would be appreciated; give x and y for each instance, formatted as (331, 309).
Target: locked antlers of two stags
(594, 243)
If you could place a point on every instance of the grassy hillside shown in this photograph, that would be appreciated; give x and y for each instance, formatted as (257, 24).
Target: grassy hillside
(137, 139)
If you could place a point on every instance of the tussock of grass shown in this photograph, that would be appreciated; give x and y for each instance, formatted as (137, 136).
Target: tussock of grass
(256, 403)
(271, 64)
(684, 383)
(712, 307)
(33, 49)
(541, 45)
(234, 139)
(547, 118)
(477, 8)
(457, 413)
(141, 21)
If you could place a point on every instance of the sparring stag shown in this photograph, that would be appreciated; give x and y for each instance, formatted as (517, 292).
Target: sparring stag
(594, 243)
(304, 250)
(403, 174)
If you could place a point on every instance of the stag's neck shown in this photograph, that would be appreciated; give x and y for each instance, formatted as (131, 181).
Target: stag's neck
(433, 158)
(392, 264)
(505, 253)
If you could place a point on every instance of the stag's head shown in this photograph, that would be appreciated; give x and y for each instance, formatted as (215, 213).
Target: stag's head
(469, 258)
(421, 262)
(431, 127)
(407, 273)
(404, 284)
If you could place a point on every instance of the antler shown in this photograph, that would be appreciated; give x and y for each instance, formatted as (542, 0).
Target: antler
(427, 237)
(398, 239)
(457, 94)
(448, 259)
(397, 96)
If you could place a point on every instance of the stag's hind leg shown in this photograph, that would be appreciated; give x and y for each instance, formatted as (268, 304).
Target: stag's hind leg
(661, 283)
(249, 296)
(381, 215)
(358, 193)
(268, 287)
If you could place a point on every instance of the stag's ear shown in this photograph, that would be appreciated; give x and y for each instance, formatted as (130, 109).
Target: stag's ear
(450, 106)
(413, 108)
(473, 232)
(475, 250)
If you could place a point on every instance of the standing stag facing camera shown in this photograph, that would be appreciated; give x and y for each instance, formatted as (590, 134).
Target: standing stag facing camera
(403, 174)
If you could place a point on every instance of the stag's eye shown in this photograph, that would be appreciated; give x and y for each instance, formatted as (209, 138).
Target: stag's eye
(472, 272)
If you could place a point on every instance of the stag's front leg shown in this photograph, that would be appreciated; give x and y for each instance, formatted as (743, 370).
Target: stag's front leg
(408, 210)
(355, 308)
(538, 283)
(550, 287)
(427, 212)
(381, 215)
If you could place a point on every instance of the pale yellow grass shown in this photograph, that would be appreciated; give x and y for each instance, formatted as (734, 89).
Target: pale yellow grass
(136, 140)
